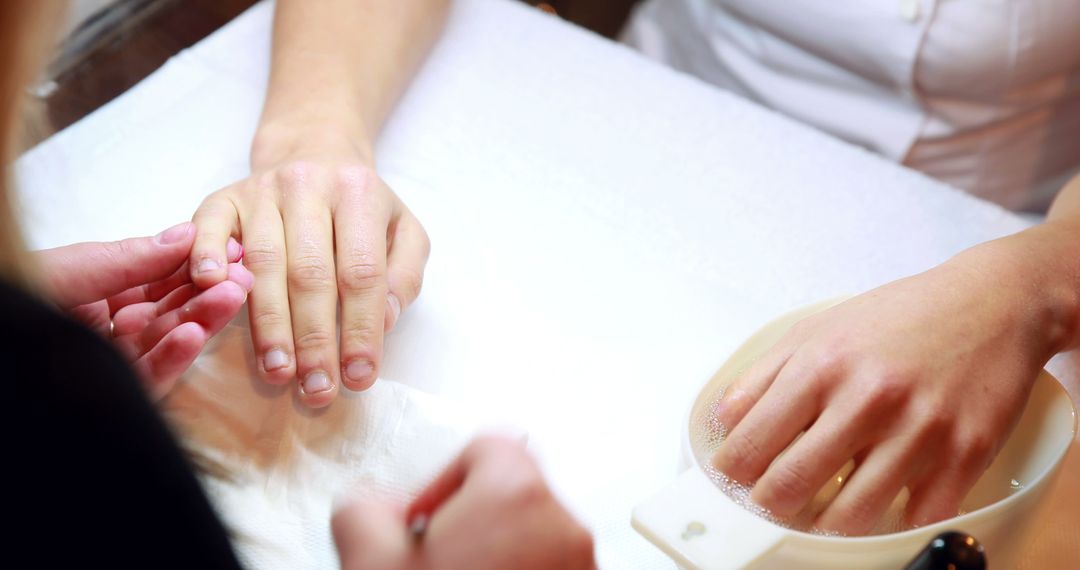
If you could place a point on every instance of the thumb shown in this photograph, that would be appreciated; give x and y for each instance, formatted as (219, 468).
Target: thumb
(86, 272)
(371, 534)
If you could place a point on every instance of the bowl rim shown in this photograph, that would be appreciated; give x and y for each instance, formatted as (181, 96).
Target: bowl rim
(1043, 478)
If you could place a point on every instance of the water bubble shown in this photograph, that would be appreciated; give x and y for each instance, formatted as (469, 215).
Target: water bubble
(707, 435)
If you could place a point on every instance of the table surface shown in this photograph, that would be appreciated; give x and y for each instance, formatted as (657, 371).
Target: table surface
(605, 231)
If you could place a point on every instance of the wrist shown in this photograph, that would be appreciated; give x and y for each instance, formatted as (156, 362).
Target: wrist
(1034, 276)
(283, 139)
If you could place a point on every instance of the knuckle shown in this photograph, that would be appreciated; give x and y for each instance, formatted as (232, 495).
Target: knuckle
(268, 318)
(213, 207)
(887, 389)
(354, 178)
(860, 512)
(358, 331)
(310, 273)
(788, 485)
(975, 449)
(935, 420)
(360, 273)
(410, 283)
(743, 450)
(261, 255)
(830, 358)
(313, 339)
(124, 249)
(295, 175)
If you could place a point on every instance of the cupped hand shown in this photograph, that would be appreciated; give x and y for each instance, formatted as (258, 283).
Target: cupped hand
(138, 293)
(321, 233)
(919, 382)
(490, 509)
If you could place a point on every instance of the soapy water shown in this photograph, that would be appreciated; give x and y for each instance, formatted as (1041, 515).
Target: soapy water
(706, 440)
(707, 434)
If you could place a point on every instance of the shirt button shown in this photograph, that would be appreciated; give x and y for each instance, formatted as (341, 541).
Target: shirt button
(909, 10)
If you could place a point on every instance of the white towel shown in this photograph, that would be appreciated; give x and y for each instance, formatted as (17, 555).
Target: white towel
(287, 464)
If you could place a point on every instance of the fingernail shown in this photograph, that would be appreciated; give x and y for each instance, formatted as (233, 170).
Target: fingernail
(358, 370)
(316, 382)
(234, 250)
(275, 358)
(206, 265)
(175, 233)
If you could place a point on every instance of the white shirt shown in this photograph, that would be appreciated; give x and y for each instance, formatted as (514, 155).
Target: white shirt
(983, 94)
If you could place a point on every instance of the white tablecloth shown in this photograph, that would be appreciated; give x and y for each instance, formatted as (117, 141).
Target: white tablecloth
(605, 231)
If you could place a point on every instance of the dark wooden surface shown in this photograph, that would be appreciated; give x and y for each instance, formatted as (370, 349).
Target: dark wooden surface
(135, 49)
(133, 53)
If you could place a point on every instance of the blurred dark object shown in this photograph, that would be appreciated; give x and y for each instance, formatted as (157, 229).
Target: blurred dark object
(119, 46)
(950, 551)
(605, 17)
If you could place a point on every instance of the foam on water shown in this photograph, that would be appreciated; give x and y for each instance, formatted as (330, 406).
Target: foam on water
(708, 435)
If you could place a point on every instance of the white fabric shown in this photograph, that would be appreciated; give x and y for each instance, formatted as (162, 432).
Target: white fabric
(287, 465)
(983, 95)
(605, 231)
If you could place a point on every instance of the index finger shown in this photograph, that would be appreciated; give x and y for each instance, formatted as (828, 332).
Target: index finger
(454, 475)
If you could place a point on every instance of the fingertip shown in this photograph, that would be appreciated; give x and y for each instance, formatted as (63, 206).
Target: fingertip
(218, 304)
(241, 276)
(234, 250)
(177, 235)
(317, 389)
(358, 374)
(277, 365)
(164, 364)
(732, 407)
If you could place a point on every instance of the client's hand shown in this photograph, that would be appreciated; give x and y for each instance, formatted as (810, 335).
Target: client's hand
(323, 233)
(489, 510)
(138, 293)
(919, 382)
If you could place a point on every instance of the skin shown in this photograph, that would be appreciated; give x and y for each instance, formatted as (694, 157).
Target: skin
(920, 381)
(490, 509)
(321, 230)
(138, 294)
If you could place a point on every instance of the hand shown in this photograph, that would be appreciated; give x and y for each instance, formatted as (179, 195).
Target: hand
(137, 293)
(919, 382)
(490, 509)
(316, 223)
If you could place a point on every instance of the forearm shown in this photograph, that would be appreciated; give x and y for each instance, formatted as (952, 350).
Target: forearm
(339, 66)
(1038, 271)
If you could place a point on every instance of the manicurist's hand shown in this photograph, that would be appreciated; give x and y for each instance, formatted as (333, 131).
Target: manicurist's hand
(919, 382)
(490, 509)
(324, 234)
(138, 293)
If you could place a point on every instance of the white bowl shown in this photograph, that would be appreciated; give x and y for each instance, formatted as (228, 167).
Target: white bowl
(699, 526)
